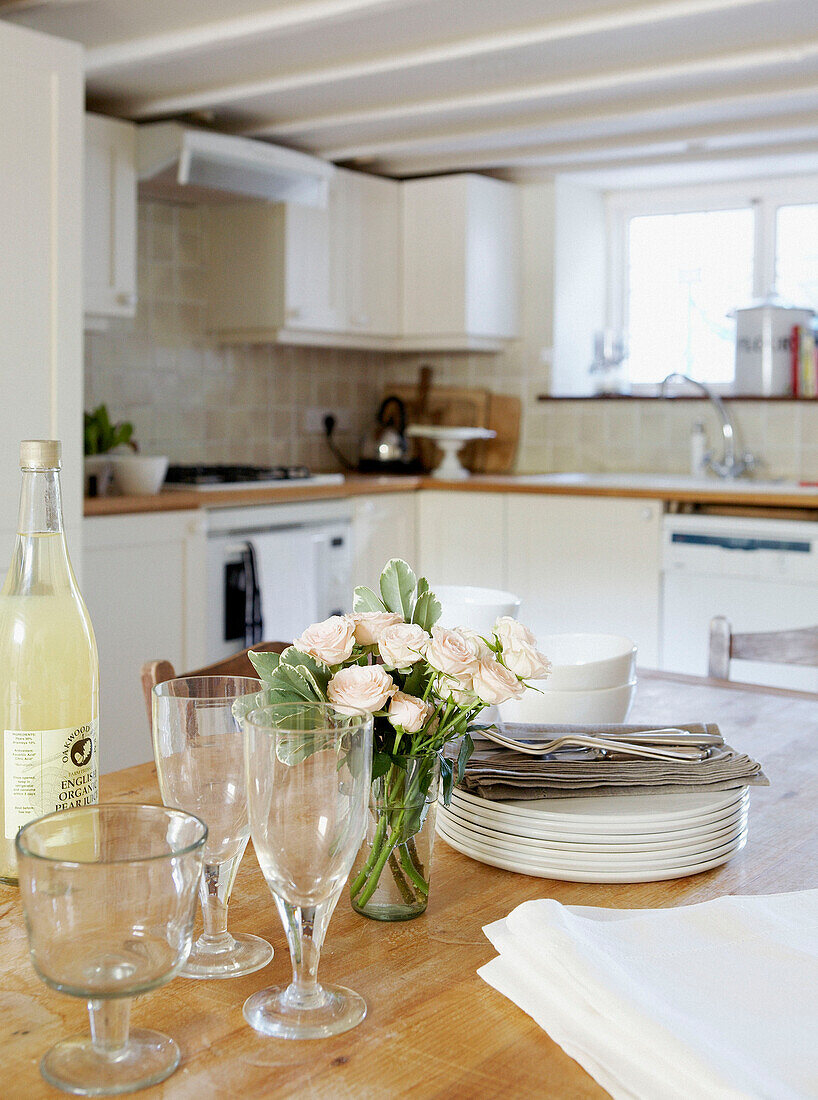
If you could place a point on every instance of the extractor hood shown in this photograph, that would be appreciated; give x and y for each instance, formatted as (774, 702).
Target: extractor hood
(189, 165)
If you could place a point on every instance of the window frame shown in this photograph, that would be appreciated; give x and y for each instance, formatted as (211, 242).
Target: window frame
(763, 197)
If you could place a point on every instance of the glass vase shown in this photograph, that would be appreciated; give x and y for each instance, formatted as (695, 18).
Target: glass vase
(390, 878)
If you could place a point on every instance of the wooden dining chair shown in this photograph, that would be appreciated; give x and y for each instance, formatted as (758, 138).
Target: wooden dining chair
(157, 672)
(780, 647)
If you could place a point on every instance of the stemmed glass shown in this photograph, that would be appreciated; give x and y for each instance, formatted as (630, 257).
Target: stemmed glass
(109, 895)
(308, 777)
(199, 749)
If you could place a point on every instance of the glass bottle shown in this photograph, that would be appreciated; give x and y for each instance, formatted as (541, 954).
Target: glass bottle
(49, 669)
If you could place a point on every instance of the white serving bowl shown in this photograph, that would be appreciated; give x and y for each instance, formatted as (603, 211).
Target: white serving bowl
(570, 707)
(582, 662)
(475, 608)
(139, 474)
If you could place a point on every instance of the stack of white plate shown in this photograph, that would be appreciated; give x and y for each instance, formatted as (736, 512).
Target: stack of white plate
(610, 838)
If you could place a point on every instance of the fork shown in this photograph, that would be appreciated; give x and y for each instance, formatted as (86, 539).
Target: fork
(543, 748)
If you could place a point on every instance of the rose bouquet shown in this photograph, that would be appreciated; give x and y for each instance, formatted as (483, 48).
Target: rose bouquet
(425, 686)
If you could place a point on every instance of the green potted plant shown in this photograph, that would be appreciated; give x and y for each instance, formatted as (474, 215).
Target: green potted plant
(101, 436)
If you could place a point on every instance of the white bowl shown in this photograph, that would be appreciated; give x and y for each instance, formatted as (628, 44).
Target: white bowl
(475, 608)
(570, 707)
(582, 662)
(139, 474)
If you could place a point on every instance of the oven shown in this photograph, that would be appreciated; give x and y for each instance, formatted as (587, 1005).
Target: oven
(274, 569)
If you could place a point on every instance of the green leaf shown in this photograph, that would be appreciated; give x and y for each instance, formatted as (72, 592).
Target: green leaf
(319, 672)
(381, 762)
(364, 599)
(398, 584)
(466, 749)
(423, 587)
(265, 664)
(415, 682)
(446, 780)
(299, 681)
(427, 611)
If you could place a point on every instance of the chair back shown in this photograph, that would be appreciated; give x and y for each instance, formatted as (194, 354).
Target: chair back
(157, 672)
(780, 647)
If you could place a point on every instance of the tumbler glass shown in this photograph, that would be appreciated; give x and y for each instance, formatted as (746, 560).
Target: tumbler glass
(109, 896)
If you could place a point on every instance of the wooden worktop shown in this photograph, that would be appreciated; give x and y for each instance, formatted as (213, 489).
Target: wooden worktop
(434, 1029)
(720, 493)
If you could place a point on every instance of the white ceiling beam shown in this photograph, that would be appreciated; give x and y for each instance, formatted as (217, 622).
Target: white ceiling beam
(730, 64)
(533, 159)
(219, 33)
(7, 6)
(488, 136)
(497, 42)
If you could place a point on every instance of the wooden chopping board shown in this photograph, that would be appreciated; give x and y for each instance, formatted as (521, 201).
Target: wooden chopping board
(456, 406)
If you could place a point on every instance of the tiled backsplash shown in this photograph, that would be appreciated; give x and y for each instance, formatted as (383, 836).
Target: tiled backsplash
(195, 401)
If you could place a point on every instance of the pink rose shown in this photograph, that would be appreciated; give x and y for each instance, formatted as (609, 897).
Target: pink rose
(330, 641)
(369, 625)
(520, 653)
(495, 684)
(452, 652)
(360, 687)
(403, 644)
(409, 712)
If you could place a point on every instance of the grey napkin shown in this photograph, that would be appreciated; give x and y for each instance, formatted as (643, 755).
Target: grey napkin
(501, 774)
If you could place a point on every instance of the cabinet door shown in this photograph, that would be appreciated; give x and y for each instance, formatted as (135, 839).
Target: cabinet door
(462, 538)
(41, 121)
(110, 217)
(384, 527)
(144, 588)
(313, 282)
(371, 216)
(587, 564)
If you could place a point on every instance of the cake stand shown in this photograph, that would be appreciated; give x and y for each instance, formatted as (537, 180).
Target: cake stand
(450, 441)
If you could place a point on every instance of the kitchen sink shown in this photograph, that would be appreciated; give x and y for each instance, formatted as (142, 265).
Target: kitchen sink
(665, 482)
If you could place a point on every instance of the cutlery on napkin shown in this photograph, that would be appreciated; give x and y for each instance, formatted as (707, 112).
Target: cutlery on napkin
(498, 773)
(701, 1002)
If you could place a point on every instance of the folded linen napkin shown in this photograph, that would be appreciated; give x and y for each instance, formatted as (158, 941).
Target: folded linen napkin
(498, 773)
(707, 1001)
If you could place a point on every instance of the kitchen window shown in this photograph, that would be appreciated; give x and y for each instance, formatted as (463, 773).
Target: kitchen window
(682, 259)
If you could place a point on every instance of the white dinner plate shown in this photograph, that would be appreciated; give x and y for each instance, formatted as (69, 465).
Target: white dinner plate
(645, 843)
(538, 828)
(594, 861)
(622, 813)
(583, 875)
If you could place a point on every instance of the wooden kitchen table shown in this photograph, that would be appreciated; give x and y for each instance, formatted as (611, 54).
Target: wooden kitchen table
(434, 1029)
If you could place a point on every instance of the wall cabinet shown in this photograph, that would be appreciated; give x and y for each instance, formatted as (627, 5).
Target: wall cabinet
(299, 274)
(588, 564)
(109, 219)
(41, 119)
(461, 262)
(144, 586)
(384, 527)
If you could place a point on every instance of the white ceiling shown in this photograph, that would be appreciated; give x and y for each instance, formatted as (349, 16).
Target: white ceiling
(613, 92)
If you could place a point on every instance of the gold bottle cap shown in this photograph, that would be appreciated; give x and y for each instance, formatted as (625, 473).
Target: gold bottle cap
(40, 454)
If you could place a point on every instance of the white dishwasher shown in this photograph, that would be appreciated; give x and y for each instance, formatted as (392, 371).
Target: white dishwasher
(762, 574)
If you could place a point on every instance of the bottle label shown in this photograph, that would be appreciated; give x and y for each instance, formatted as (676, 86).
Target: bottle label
(47, 770)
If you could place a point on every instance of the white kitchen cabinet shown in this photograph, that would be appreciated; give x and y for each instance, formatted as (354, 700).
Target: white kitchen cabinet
(144, 584)
(588, 564)
(462, 538)
(109, 219)
(41, 123)
(384, 527)
(297, 274)
(461, 260)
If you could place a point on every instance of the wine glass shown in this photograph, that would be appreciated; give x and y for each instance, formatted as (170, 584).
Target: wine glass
(109, 896)
(308, 777)
(199, 749)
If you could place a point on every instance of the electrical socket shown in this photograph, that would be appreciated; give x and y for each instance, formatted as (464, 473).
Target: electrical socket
(314, 419)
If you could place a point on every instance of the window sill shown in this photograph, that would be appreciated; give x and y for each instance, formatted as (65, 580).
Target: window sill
(675, 397)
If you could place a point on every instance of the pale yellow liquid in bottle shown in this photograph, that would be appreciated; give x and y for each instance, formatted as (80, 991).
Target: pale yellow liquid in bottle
(49, 673)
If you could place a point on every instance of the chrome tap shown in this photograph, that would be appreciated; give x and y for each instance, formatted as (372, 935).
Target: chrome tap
(729, 465)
